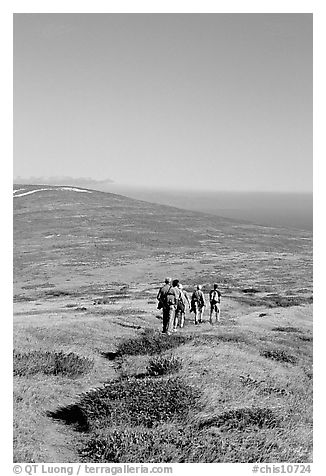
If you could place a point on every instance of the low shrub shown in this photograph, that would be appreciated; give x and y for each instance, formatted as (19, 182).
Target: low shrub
(286, 329)
(279, 355)
(150, 343)
(262, 386)
(213, 340)
(163, 365)
(50, 363)
(232, 338)
(102, 301)
(57, 293)
(306, 338)
(131, 401)
(309, 373)
(204, 339)
(135, 445)
(22, 298)
(242, 418)
(287, 301)
(273, 300)
(129, 326)
(191, 445)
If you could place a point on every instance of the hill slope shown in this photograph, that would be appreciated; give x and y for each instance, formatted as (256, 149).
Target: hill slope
(87, 266)
(62, 235)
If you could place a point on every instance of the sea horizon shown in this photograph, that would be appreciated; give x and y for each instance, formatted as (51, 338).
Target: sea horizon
(279, 209)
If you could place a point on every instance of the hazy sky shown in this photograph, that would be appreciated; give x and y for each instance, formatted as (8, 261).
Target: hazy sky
(200, 101)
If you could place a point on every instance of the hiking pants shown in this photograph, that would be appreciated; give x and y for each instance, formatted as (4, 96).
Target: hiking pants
(165, 319)
(215, 309)
(199, 311)
(182, 319)
(171, 318)
(168, 318)
(179, 319)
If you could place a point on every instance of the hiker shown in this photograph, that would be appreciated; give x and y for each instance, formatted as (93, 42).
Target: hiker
(215, 303)
(162, 292)
(169, 295)
(198, 304)
(180, 312)
(161, 297)
(171, 301)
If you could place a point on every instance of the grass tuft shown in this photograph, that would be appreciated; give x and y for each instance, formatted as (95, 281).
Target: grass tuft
(50, 363)
(274, 300)
(142, 445)
(162, 365)
(232, 338)
(242, 418)
(150, 343)
(286, 329)
(279, 355)
(287, 301)
(191, 445)
(212, 340)
(306, 338)
(131, 401)
(262, 386)
(56, 293)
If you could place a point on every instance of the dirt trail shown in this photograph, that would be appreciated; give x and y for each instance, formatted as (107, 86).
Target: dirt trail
(59, 444)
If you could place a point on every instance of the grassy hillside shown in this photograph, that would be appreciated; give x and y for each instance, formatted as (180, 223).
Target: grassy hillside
(86, 271)
(76, 241)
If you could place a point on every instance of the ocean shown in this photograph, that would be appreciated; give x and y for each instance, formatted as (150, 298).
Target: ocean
(291, 210)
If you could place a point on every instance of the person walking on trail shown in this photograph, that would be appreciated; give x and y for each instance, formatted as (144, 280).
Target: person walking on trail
(162, 292)
(168, 297)
(180, 312)
(198, 304)
(171, 302)
(162, 303)
(215, 303)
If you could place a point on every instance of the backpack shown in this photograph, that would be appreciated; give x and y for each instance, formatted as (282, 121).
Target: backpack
(181, 306)
(195, 297)
(170, 298)
(214, 296)
(162, 296)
